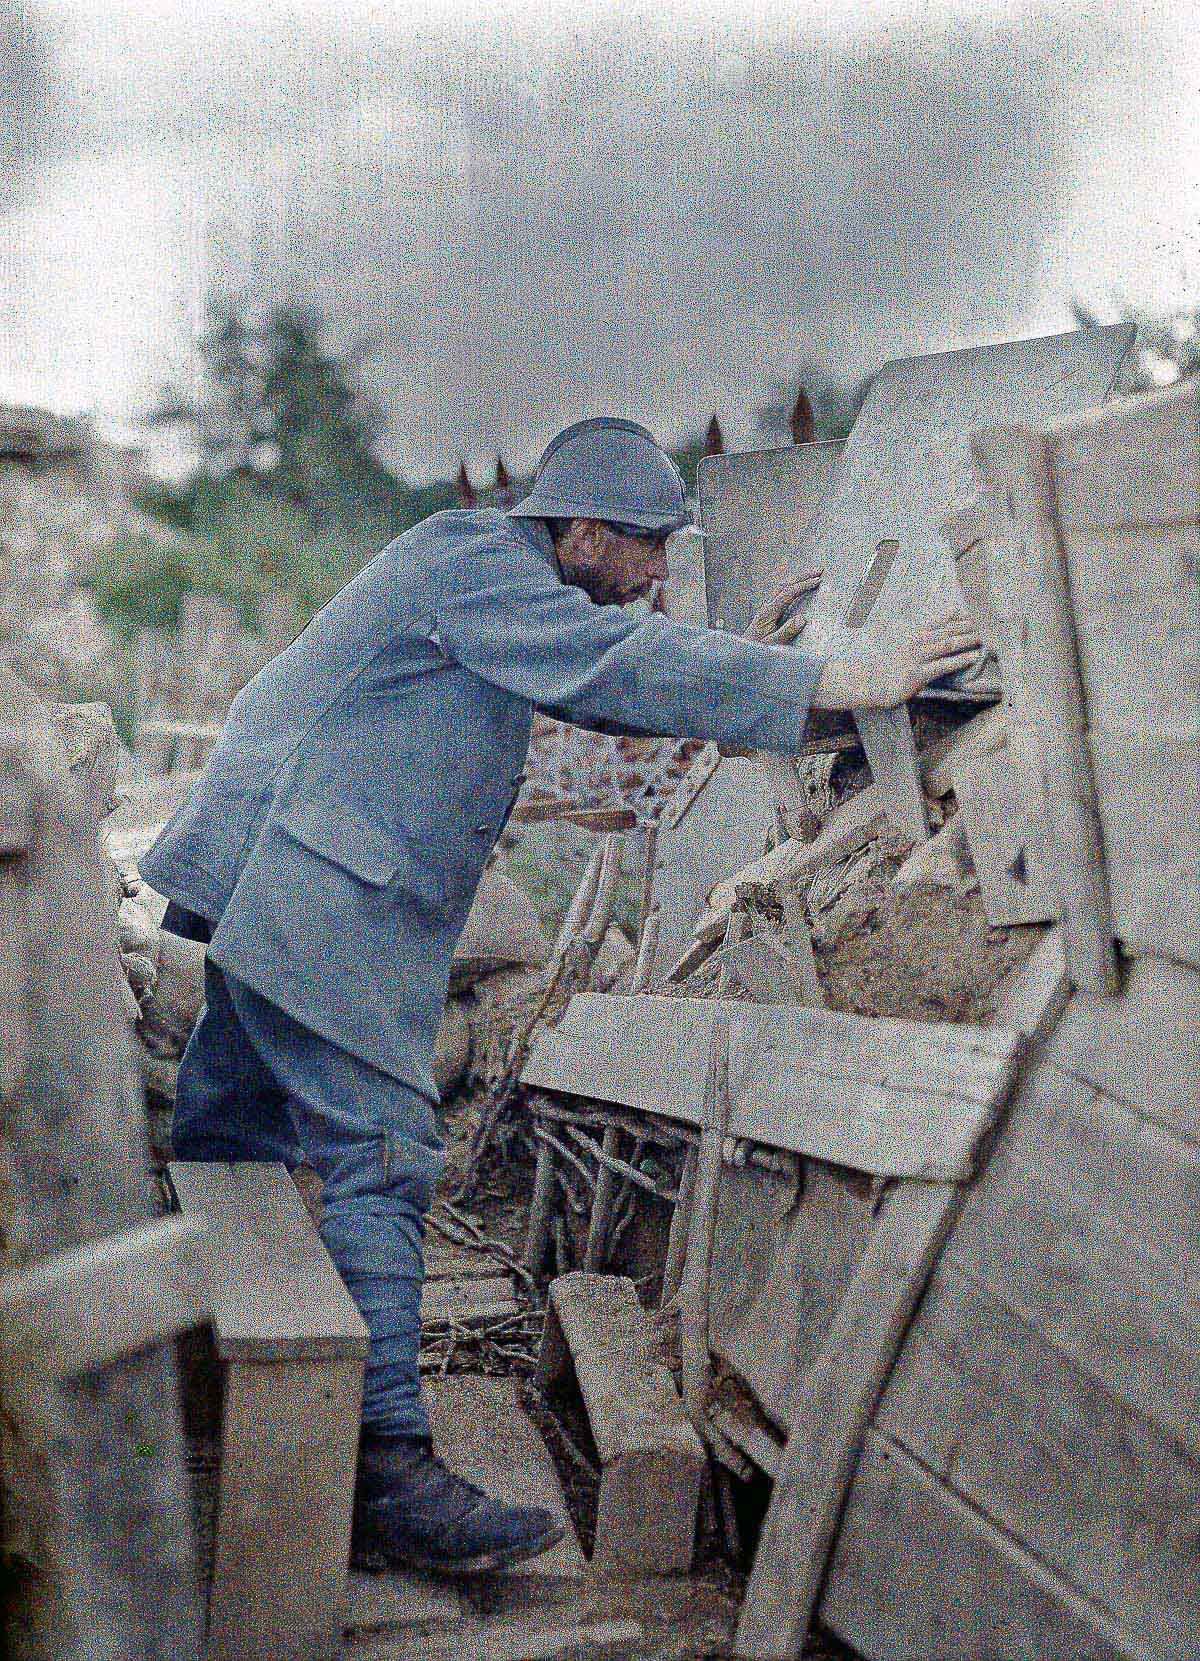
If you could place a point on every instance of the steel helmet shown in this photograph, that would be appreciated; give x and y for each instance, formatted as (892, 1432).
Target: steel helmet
(609, 469)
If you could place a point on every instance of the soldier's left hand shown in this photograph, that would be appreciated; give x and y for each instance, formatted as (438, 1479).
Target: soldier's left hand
(768, 624)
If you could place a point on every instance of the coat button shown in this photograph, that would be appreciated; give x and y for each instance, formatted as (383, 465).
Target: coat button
(483, 830)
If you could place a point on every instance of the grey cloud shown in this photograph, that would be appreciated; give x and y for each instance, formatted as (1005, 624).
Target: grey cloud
(24, 86)
(530, 230)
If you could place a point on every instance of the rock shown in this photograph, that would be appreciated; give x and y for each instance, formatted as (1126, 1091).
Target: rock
(614, 958)
(944, 861)
(502, 930)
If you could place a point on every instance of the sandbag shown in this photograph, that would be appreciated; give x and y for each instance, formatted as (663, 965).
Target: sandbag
(503, 929)
(452, 1056)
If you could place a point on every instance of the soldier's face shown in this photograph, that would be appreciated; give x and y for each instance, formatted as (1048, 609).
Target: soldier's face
(611, 567)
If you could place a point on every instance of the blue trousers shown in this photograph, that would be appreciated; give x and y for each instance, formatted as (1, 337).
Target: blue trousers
(256, 1084)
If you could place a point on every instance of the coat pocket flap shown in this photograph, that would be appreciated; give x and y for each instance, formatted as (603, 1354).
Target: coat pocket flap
(354, 845)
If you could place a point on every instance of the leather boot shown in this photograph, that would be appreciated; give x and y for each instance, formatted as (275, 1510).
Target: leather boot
(411, 1512)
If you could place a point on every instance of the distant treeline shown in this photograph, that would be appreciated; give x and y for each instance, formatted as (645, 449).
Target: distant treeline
(290, 490)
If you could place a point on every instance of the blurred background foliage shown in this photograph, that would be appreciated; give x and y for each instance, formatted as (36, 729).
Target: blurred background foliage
(290, 491)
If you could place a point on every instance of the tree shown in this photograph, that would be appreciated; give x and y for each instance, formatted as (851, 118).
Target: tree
(284, 413)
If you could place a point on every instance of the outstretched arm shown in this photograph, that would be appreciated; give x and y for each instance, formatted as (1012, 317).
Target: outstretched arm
(506, 616)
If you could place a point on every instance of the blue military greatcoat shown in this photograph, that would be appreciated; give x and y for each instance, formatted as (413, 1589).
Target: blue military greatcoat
(339, 831)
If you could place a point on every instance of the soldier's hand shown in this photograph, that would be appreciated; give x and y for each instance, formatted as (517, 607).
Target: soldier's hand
(768, 625)
(941, 648)
(863, 680)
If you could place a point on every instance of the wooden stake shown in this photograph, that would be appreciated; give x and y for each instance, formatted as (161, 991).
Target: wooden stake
(1019, 464)
(697, 1267)
(643, 971)
(602, 1204)
(680, 1220)
(541, 1211)
(799, 939)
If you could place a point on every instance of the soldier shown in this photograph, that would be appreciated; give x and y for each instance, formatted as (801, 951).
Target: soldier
(331, 850)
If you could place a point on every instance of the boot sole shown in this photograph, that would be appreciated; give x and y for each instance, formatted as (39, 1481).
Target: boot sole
(374, 1561)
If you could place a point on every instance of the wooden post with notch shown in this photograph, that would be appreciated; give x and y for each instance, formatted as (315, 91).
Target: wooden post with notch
(1018, 464)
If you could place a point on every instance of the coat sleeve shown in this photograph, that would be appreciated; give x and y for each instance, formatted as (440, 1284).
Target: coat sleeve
(506, 616)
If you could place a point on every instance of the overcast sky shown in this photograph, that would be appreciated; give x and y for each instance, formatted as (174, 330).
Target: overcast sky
(535, 212)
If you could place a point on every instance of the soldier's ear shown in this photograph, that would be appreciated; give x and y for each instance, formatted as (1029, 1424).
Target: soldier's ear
(591, 536)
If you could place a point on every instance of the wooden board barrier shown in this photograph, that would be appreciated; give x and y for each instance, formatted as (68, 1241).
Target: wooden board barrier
(895, 1098)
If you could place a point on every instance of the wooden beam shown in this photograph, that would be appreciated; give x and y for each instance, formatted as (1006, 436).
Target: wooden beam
(1018, 464)
(85, 1308)
(289, 1439)
(651, 1459)
(895, 1098)
(293, 1306)
(891, 750)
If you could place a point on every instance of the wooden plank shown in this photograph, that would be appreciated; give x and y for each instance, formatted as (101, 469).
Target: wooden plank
(1032, 997)
(911, 1101)
(1089, 1273)
(760, 1448)
(1018, 464)
(1014, 884)
(648, 1050)
(1139, 642)
(481, 1432)
(1135, 464)
(1071, 1134)
(938, 1057)
(785, 1251)
(652, 1461)
(724, 829)
(887, 1096)
(289, 1441)
(994, 1410)
(513, 1638)
(467, 1301)
(982, 733)
(1141, 1047)
(830, 1411)
(82, 1309)
(1149, 796)
(277, 1293)
(764, 969)
(908, 456)
(919, 1573)
(891, 750)
(683, 798)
